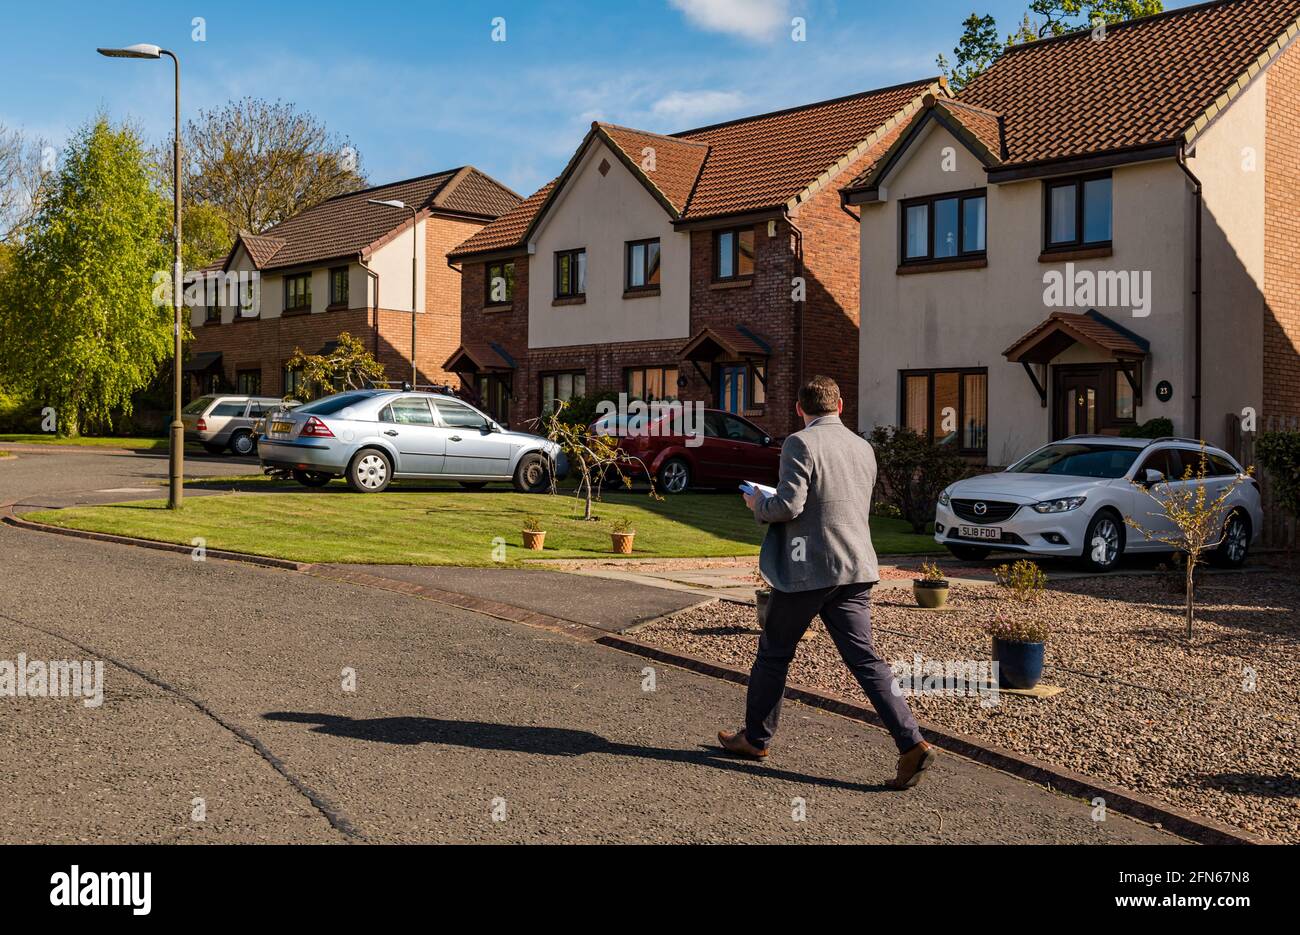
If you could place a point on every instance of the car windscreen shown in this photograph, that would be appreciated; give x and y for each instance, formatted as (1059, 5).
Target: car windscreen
(198, 405)
(332, 404)
(1076, 460)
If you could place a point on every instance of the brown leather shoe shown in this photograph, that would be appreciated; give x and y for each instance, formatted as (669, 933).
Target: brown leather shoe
(911, 764)
(736, 742)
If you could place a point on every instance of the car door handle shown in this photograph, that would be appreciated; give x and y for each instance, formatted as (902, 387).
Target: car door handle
(454, 438)
(390, 431)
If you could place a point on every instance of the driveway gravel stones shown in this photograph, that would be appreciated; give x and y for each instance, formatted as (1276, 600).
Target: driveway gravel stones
(1209, 726)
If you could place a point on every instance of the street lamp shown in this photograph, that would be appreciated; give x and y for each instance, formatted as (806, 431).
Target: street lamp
(415, 241)
(176, 455)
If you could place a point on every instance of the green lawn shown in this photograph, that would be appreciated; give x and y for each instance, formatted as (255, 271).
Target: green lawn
(147, 444)
(442, 526)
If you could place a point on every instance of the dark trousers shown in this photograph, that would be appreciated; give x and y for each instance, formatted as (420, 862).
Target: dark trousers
(846, 611)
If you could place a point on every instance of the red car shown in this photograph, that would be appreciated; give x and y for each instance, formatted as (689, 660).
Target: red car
(730, 450)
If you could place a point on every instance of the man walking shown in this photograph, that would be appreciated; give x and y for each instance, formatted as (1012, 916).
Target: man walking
(818, 556)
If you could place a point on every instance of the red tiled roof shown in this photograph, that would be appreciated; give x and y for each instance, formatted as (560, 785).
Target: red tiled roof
(345, 225)
(1061, 329)
(1146, 83)
(984, 125)
(752, 164)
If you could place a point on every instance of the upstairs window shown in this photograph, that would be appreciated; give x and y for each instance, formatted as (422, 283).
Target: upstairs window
(499, 283)
(297, 292)
(944, 227)
(339, 286)
(1077, 212)
(733, 253)
(570, 274)
(642, 265)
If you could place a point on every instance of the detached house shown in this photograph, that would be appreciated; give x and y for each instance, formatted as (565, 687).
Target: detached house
(1099, 230)
(345, 265)
(714, 265)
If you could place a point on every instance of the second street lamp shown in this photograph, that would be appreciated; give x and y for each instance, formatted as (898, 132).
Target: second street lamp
(415, 243)
(176, 454)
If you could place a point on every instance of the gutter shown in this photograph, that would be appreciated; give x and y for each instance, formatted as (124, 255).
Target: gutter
(1196, 293)
(800, 307)
(361, 259)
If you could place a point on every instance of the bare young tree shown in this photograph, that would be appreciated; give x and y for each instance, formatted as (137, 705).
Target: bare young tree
(1197, 521)
(21, 181)
(260, 162)
(593, 456)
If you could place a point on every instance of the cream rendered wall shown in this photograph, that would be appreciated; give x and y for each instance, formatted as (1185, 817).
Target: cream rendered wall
(602, 213)
(966, 318)
(392, 262)
(1229, 160)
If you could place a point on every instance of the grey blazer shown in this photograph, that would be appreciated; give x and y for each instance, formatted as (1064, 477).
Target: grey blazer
(818, 536)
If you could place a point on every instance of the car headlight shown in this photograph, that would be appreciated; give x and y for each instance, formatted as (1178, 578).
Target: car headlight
(944, 499)
(1063, 505)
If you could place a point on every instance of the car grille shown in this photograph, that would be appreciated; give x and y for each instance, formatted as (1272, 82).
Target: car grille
(995, 511)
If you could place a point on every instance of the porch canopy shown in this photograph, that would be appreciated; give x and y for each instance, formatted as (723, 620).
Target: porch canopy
(1061, 330)
(725, 343)
(201, 362)
(474, 357)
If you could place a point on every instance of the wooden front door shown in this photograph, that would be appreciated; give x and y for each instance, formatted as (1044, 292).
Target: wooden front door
(1080, 402)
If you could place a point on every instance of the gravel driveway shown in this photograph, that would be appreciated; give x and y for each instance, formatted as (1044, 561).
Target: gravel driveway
(1209, 726)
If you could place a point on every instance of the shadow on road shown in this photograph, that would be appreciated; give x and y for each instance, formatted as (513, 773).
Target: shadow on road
(543, 741)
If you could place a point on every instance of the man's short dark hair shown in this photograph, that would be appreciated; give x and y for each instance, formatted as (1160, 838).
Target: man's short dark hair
(819, 396)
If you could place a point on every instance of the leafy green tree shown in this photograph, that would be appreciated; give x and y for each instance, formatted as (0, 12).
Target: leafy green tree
(79, 329)
(1063, 16)
(976, 50)
(348, 366)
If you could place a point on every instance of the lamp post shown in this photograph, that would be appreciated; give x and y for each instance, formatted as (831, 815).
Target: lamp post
(415, 243)
(176, 455)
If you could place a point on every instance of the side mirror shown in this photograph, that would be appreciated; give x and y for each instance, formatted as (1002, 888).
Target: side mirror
(767, 441)
(489, 427)
(1151, 477)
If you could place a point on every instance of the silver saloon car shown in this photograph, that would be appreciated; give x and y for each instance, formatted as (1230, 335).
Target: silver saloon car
(372, 437)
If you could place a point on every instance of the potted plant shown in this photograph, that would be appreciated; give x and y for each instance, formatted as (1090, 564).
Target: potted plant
(762, 594)
(1018, 645)
(931, 589)
(1018, 650)
(534, 534)
(621, 532)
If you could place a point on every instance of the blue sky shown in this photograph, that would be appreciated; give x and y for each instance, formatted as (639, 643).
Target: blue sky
(419, 87)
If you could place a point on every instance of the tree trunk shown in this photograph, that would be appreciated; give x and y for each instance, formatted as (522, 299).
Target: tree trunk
(1191, 590)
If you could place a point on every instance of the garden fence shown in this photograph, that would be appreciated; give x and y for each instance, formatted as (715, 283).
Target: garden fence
(1279, 530)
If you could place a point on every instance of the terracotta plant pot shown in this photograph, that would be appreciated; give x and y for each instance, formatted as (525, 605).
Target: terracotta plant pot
(533, 539)
(622, 542)
(930, 594)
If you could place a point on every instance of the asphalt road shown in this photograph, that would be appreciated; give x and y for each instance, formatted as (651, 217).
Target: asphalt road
(224, 694)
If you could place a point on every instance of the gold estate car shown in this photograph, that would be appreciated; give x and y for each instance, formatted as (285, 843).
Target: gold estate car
(219, 422)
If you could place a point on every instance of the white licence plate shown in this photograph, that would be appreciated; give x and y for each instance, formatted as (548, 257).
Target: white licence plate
(281, 428)
(979, 532)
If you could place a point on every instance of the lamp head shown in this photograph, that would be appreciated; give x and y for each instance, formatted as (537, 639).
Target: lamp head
(139, 50)
(391, 203)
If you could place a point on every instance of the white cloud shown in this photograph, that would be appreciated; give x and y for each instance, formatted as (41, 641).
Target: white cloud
(685, 107)
(755, 20)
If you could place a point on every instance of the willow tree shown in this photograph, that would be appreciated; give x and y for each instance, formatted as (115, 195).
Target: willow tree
(80, 330)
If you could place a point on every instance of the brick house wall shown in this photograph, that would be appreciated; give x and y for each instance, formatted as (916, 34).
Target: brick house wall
(1282, 237)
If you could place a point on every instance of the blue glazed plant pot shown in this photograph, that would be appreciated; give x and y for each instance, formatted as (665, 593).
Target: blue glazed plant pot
(1020, 665)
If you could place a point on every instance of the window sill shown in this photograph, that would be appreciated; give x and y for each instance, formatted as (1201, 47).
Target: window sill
(499, 307)
(570, 300)
(238, 318)
(732, 283)
(1081, 253)
(211, 321)
(337, 307)
(942, 266)
(291, 312)
(640, 293)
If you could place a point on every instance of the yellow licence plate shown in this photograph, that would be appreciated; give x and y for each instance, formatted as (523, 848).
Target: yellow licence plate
(282, 428)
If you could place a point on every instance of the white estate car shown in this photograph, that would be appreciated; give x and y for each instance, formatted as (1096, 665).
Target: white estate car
(1071, 498)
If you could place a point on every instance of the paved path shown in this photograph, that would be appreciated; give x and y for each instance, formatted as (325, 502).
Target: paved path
(224, 682)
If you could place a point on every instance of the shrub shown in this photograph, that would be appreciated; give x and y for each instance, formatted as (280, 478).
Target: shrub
(1024, 579)
(622, 525)
(915, 471)
(930, 572)
(1279, 454)
(581, 410)
(1018, 631)
(534, 523)
(1159, 427)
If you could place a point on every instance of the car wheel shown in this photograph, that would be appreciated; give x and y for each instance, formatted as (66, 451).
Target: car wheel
(243, 444)
(312, 478)
(675, 476)
(473, 484)
(533, 474)
(1232, 551)
(214, 449)
(1103, 544)
(969, 553)
(370, 471)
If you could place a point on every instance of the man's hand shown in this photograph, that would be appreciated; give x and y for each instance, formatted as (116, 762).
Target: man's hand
(751, 499)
